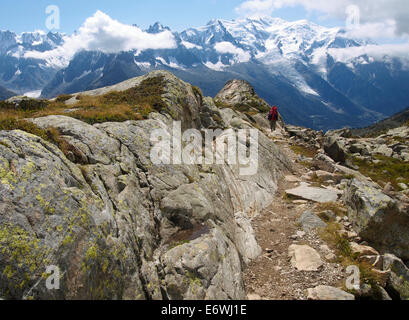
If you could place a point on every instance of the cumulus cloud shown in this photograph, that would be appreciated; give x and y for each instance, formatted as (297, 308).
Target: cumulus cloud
(374, 51)
(227, 47)
(373, 13)
(102, 33)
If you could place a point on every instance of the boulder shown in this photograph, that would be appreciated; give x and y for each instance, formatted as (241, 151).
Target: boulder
(304, 258)
(335, 149)
(377, 218)
(384, 150)
(329, 293)
(335, 145)
(403, 186)
(399, 277)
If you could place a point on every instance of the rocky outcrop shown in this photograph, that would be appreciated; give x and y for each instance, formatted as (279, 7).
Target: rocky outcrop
(120, 227)
(377, 218)
(334, 146)
(240, 92)
(398, 281)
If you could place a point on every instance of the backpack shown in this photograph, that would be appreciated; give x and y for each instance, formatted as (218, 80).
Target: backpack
(273, 115)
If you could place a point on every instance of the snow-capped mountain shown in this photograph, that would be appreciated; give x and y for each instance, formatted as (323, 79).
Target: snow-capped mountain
(300, 66)
(22, 73)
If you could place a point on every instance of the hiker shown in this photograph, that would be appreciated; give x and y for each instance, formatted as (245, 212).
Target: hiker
(273, 118)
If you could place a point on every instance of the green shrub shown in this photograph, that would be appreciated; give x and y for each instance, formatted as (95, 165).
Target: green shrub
(29, 127)
(63, 97)
(149, 92)
(198, 93)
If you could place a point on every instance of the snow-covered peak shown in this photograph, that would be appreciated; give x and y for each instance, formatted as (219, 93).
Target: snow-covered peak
(16, 44)
(157, 28)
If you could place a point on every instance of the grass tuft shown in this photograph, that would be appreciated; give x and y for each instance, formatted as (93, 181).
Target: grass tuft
(304, 151)
(387, 170)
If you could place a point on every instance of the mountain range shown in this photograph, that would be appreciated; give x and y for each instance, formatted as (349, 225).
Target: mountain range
(299, 66)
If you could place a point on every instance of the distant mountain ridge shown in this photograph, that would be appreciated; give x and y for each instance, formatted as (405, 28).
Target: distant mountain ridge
(393, 122)
(5, 94)
(23, 74)
(291, 64)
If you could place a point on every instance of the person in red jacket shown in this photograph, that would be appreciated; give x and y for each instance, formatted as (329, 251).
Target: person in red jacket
(273, 118)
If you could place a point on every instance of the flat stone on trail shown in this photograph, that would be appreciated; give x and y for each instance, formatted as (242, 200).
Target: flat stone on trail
(329, 293)
(292, 178)
(304, 258)
(304, 191)
(309, 221)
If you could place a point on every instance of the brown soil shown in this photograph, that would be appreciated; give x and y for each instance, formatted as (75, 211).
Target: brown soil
(271, 276)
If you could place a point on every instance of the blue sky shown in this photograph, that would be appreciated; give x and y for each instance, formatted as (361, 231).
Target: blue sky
(29, 15)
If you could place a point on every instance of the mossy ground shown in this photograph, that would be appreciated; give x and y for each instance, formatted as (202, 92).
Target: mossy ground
(387, 170)
(133, 104)
(304, 151)
(335, 207)
(251, 106)
(345, 255)
(23, 259)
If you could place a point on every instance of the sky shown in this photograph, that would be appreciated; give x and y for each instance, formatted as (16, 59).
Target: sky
(385, 21)
(29, 15)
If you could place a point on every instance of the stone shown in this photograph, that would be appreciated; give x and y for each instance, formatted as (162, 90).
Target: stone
(309, 221)
(382, 277)
(359, 148)
(349, 235)
(304, 258)
(360, 250)
(388, 188)
(403, 186)
(329, 293)
(399, 275)
(330, 256)
(298, 235)
(253, 297)
(304, 191)
(335, 149)
(405, 156)
(374, 261)
(291, 178)
(384, 150)
(384, 294)
(377, 218)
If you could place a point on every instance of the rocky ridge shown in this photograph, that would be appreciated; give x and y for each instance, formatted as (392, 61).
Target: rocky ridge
(120, 227)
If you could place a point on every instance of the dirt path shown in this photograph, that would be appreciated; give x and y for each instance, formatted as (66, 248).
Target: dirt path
(271, 276)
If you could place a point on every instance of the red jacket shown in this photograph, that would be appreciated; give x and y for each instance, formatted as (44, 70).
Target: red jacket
(273, 116)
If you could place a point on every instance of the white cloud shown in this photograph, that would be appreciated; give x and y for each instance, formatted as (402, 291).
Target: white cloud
(102, 33)
(373, 13)
(256, 8)
(386, 30)
(378, 52)
(227, 47)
